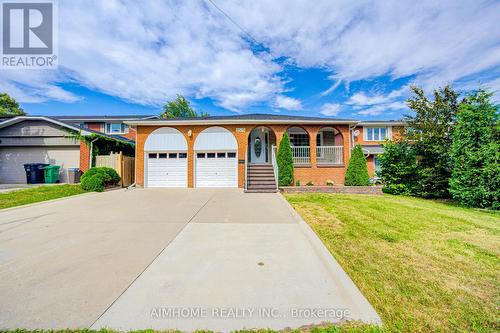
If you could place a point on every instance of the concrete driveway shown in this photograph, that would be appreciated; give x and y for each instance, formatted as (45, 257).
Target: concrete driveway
(165, 259)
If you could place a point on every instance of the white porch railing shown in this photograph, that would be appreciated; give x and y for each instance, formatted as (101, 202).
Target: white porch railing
(275, 164)
(330, 155)
(301, 154)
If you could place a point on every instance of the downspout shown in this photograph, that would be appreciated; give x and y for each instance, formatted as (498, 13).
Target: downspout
(351, 138)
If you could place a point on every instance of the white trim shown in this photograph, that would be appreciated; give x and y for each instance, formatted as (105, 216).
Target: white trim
(381, 123)
(19, 119)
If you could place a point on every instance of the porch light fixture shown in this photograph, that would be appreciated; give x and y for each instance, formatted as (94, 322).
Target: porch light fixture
(190, 133)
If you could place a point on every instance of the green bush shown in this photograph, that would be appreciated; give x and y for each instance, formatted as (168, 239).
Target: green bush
(93, 183)
(97, 178)
(357, 171)
(398, 168)
(285, 162)
(475, 180)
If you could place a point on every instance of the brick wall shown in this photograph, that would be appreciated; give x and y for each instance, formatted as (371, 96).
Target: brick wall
(319, 175)
(84, 156)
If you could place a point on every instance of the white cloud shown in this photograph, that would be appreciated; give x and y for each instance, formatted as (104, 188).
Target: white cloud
(147, 53)
(330, 109)
(436, 42)
(374, 105)
(288, 103)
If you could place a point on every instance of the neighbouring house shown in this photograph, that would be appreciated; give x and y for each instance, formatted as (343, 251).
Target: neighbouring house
(371, 134)
(111, 125)
(38, 139)
(239, 150)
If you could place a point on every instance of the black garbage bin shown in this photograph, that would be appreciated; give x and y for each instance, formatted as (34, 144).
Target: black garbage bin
(35, 173)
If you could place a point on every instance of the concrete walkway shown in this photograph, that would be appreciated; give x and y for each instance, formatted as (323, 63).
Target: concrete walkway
(169, 259)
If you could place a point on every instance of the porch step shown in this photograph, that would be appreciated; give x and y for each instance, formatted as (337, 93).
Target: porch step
(261, 178)
(261, 191)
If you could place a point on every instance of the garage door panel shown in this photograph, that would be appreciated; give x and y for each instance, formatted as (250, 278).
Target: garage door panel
(168, 171)
(219, 171)
(12, 160)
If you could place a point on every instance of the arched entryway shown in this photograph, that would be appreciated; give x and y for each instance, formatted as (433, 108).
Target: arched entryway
(260, 144)
(216, 158)
(329, 146)
(300, 143)
(165, 158)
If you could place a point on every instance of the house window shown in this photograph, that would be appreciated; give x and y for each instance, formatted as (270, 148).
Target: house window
(376, 133)
(299, 139)
(116, 128)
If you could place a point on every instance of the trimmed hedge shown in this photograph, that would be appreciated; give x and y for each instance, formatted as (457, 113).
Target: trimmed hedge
(357, 171)
(285, 162)
(98, 178)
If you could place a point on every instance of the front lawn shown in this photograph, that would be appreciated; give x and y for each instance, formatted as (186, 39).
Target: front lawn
(37, 194)
(425, 266)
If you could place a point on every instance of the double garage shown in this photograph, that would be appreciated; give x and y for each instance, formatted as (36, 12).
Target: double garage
(214, 153)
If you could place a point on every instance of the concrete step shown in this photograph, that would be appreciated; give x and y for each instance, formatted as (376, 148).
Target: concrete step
(260, 191)
(270, 183)
(262, 187)
(252, 178)
(258, 171)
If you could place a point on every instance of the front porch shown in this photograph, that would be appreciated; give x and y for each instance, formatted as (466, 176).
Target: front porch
(329, 147)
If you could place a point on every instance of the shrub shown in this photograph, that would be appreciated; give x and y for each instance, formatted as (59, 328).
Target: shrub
(310, 183)
(329, 182)
(475, 180)
(357, 171)
(285, 162)
(398, 168)
(297, 182)
(97, 178)
(93, 183)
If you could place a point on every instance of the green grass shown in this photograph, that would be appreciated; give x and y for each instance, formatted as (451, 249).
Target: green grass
(42, 193)
(425, 266)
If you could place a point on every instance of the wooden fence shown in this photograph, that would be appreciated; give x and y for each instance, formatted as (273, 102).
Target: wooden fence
(124, 166)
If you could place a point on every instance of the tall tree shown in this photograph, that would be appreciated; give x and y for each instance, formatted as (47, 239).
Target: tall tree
(475, 177)
(9, 106)
(180, 108)
(430, 130)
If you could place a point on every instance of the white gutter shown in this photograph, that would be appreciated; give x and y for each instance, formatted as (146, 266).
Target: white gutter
(238, 122)
(382, 123)
(50, 120)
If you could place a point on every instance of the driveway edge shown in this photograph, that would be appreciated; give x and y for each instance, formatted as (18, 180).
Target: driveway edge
(48, 201)
(334, 268)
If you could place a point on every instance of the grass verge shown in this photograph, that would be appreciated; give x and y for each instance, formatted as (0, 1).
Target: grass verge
(425, 266)
(37, 194)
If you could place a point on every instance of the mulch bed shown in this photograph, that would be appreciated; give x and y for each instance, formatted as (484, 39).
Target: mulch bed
(373, 190)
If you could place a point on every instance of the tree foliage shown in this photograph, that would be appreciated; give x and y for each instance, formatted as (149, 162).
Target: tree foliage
(9, 106)
(430, 130)
(398, 168)
(180, 108)
(357, 171)
(285, 162)
(475, 180)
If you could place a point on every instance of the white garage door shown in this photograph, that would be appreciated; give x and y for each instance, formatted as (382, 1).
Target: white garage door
(167, 169)
(216, 169)
(13, 158)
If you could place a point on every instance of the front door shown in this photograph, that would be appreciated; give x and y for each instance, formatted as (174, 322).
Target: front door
(259, 141)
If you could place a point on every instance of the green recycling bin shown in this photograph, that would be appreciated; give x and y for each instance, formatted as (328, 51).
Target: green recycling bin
(51, 174)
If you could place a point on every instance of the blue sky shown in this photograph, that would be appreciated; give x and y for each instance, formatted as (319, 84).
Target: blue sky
(343, 59)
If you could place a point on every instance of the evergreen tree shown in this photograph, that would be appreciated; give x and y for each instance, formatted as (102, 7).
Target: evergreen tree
(430, 130)
(285, 162)
(357, 171)
(475, 180)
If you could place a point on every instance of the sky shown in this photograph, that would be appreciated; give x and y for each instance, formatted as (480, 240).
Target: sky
(330, 58)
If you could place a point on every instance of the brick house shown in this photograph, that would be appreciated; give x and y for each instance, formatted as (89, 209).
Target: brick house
(240, 150)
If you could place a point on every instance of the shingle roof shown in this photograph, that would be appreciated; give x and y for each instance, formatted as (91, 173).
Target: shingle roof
(104, 117)
(258, 116)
